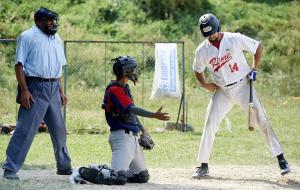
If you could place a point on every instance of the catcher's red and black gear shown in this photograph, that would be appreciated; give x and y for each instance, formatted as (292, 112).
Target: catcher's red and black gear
(146, 142)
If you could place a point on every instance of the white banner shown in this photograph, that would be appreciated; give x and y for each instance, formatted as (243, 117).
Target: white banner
(166, 79)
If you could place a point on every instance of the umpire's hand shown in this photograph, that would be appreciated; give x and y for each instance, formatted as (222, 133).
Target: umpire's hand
(26, 99)
(63, 98)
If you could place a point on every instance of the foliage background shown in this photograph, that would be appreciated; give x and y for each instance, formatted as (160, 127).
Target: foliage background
(275, 23)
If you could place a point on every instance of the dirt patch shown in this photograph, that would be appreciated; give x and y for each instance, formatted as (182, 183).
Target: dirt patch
(221, 177)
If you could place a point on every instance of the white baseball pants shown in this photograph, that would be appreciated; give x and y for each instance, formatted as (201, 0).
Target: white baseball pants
(220, 104)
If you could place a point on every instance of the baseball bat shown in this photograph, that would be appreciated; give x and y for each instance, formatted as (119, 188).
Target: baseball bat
(251, 116)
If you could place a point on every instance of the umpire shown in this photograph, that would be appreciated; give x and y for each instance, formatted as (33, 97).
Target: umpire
(38, 67)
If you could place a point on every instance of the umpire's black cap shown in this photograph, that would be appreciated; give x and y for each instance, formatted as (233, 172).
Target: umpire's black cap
(45, 14)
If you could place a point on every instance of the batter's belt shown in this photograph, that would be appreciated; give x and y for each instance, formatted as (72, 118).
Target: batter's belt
(234, 83)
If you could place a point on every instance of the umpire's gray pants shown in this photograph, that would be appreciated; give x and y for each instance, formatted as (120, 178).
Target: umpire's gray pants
(47, 107)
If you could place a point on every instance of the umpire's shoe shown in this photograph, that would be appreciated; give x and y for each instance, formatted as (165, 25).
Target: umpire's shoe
(284, 166)
(201, 172)
(64, 172)
(7, 174)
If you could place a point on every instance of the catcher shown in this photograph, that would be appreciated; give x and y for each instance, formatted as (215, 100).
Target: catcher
(128, 162)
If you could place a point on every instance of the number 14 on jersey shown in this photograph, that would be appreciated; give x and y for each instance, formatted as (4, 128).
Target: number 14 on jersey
(233, 67)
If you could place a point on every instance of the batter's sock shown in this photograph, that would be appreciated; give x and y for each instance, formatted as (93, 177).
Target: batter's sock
(280, 157)
(204, 165)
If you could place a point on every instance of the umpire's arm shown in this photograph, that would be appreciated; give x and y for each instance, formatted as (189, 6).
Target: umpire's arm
(26, 96)
(63, 97)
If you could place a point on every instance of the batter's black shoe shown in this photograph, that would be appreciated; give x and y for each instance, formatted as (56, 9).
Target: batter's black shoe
(200, 172)
(284, 166)
(64, 172)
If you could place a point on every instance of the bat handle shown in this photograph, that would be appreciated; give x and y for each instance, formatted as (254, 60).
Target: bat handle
(251, 92)
(251, 128)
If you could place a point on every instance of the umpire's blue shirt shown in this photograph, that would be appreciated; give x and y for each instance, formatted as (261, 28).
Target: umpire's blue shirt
(41, 55)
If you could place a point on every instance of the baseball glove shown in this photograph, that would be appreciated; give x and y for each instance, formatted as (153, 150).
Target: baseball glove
(146, 142)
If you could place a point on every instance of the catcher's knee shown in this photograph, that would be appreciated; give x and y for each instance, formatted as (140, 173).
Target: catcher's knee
(142, 177)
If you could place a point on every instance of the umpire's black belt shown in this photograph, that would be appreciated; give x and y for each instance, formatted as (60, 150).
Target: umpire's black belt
(30, 78)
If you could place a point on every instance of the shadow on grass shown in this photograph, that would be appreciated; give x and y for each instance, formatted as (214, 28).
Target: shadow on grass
(287, 184)
(33, 167)
(32, 184)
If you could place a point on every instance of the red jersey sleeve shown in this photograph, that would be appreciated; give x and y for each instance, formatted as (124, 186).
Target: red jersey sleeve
(119, 98)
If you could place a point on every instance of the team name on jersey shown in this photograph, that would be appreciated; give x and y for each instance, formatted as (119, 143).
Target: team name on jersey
(218, 62)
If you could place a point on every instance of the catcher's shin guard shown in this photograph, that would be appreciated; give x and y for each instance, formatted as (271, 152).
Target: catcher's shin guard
(103, 176)
(142, 177)
(121, 178)
(92, 175)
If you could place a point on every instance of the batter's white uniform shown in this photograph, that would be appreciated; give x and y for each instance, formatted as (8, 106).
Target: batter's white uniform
(229, 66)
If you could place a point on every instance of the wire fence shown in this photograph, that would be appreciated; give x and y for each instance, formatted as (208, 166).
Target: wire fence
(86, 76)
(8, 107)
(89, 71)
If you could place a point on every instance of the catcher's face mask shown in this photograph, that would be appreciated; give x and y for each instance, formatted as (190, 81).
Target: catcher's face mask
(133, 76)
(126, 66)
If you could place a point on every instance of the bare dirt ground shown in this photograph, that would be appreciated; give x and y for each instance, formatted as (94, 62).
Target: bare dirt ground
(221, 177)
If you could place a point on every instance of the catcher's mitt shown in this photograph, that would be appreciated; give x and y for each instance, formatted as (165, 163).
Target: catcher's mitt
(146, 142)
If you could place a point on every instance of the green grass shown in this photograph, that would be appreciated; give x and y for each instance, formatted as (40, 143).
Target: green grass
(172, 149)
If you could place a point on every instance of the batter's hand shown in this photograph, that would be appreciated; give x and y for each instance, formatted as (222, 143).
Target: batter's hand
(160, 115)
(26, 99)
(211, 87)
(252, 75)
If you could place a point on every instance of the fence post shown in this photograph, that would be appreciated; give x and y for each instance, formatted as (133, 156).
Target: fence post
(65, 81)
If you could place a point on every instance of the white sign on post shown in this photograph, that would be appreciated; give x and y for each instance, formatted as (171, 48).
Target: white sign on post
(166, 78)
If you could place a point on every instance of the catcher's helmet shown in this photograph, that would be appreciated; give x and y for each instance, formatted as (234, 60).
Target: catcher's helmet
(125, 66)
(209, 24)
(46, 14)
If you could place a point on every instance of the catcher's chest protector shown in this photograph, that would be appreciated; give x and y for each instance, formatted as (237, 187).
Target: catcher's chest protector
(107, 104)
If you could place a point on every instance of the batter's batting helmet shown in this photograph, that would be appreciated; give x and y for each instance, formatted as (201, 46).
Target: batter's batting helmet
(209, 24)
(125, 66)
(46, 14)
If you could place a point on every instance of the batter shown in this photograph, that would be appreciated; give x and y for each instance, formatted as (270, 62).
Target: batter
(222, 53)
